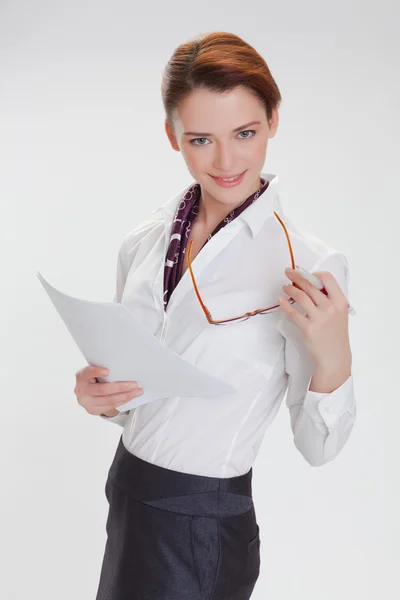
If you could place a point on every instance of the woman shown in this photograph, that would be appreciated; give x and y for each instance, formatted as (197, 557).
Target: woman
(182, 522)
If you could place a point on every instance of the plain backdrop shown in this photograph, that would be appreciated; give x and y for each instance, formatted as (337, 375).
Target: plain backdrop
(84, 159)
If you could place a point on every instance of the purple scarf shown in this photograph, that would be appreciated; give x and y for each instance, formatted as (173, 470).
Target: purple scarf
(185, 216)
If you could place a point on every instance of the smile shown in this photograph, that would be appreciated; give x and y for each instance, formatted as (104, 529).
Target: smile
(229, 181)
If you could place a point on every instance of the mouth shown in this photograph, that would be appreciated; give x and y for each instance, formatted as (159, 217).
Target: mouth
(227, 176)
(230, 181)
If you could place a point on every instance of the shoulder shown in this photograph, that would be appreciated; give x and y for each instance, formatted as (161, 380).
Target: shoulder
(143, 235)
(311, 252)
(141, 232)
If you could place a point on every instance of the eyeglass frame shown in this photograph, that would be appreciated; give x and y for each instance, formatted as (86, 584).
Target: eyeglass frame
(246, 315)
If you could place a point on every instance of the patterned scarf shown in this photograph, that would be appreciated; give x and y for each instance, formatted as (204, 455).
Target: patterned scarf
(185, 216)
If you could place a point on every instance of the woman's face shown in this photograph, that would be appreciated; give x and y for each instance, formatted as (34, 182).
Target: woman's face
(204, 126)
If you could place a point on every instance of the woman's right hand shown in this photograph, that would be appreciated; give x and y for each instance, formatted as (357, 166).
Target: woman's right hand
(99, 398)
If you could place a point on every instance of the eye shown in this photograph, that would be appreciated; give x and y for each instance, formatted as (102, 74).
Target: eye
(247, 131)
(195, 140)
(252, 131)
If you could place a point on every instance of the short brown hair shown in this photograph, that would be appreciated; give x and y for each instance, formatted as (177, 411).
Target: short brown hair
(219, 62)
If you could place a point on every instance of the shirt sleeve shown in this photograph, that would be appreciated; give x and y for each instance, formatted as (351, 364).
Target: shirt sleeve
(321, 423)
(126, 255)
(119, 419)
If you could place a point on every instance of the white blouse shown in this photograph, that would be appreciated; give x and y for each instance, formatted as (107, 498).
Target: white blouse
(240, 269)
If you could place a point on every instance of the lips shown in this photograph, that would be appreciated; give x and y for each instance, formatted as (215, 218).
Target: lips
(230, 184)
(227, 176)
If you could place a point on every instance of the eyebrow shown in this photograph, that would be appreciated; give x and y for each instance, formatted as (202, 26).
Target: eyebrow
(233, 131)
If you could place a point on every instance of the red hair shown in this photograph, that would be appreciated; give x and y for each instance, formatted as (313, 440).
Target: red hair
(219, 62)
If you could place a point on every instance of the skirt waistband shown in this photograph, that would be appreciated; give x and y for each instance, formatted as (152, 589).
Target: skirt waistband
(184, 493)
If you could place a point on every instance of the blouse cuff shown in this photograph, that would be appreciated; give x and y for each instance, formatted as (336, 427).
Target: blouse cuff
(118, 419)
(328, 408)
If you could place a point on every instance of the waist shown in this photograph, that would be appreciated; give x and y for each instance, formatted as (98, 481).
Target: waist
(185, 493)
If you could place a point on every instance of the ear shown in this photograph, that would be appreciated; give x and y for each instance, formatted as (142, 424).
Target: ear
(273, 123)
(171, 136)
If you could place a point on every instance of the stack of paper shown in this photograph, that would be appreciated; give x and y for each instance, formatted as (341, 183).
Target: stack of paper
(108, 336)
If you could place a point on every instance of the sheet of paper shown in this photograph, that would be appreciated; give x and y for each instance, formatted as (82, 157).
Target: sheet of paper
(108, 335)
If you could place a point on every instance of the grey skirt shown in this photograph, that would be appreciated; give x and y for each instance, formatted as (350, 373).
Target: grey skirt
(177, 536)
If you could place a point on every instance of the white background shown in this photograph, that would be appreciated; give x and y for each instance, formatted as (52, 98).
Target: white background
(85, 158)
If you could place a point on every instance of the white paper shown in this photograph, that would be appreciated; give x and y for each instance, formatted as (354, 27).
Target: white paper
(108, 336)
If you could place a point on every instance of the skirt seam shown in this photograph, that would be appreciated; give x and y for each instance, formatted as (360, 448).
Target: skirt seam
(115, 562)
(219, 550)
(194, 558)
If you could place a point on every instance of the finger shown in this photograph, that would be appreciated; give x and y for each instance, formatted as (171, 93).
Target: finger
(319, 298)
(116, 387)
(333, 290)
(302, 299)
(116, 399)
(293, 313)
(92, 372)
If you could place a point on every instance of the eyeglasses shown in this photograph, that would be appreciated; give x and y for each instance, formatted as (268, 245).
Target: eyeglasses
(246, 316)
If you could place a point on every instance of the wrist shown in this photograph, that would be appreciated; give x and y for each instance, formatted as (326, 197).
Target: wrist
(326, 379)
(336, 362)
(110, 413)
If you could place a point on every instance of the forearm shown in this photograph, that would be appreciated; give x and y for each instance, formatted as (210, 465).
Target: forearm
(327, 378)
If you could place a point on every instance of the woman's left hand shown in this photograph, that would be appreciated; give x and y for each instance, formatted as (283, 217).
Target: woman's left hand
(325, 325)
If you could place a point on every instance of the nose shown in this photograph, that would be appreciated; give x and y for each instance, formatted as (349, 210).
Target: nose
(223, 159)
